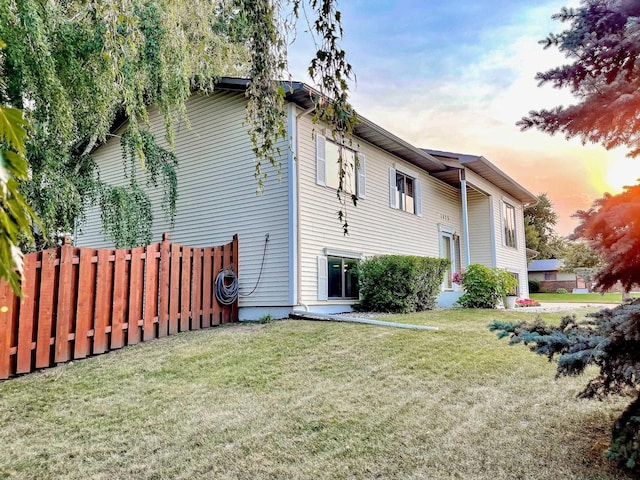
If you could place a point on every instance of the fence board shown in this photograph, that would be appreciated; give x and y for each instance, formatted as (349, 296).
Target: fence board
(27, 314)
(217, 267)
(165, 262)
(82, 301)
(150, 292)
(45, 310)
(120, 280)
(6, 316)
(174, 290)
(86, 301)
(64, 315)
(207, 287)
(185, 300)
(196, 309)
(135, 298)
(227, 264)
(236, 258)
(104, 288)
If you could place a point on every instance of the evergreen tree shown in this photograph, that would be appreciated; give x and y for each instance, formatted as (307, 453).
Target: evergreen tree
(607, 340)
(612, 229)
(603, 42)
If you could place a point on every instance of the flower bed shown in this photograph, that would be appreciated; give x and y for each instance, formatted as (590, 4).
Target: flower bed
(527, 302)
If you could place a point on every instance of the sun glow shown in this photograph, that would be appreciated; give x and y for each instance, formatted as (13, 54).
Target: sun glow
(621, 172)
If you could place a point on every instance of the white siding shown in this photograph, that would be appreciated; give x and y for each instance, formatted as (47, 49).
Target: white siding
(480, 235)
(217, 195)
(509, 258)
(374, 227)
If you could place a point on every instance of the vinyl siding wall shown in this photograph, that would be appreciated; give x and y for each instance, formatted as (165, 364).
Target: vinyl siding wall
(374, 227)
(509, 258)
(217, 195)
(480, 234)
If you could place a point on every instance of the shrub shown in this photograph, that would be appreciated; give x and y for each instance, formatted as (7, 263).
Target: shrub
(399, 283)
(484, 287)
(534, 286)
(561, 290)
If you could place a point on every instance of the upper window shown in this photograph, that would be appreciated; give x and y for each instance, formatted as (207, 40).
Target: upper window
(404, 192)
(509, 224)
(328, 156)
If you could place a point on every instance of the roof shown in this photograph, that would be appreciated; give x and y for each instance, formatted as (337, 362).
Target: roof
(485, 169)
(550, 265)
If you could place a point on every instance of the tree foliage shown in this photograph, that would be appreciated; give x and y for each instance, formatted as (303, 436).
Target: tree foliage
(607, 340)
(16, 216)
(78, 66)
(612, 229)
(603, 43)
(579, 255)
(540, 221)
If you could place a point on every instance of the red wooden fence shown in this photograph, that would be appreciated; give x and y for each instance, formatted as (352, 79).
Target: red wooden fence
(82, 301)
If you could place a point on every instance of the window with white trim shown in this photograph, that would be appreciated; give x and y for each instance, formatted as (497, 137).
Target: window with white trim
(405, 192)
(337, 278)
(328, 156)
(509, 225)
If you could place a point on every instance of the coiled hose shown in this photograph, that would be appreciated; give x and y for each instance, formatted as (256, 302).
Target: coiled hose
(226, 293)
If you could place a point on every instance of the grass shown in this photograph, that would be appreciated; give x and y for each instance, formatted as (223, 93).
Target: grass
(613, 298)
(309, 400)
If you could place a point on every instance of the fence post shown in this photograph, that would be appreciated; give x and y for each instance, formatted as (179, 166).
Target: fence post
(236, 264)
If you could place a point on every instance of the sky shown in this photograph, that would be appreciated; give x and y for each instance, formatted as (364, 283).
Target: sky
(457, 76)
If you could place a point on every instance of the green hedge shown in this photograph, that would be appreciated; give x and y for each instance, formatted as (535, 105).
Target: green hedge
(399, 283)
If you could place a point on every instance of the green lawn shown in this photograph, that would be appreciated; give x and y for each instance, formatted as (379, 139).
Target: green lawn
(309, 400)
(580, 298)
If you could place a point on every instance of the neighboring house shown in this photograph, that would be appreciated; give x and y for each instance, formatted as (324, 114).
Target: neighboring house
(551, 277)
(411, 201)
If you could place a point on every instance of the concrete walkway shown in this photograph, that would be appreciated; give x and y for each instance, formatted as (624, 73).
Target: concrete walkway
(561, 307)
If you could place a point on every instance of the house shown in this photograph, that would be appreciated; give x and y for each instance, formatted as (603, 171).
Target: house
(293, 254)
(551, 277)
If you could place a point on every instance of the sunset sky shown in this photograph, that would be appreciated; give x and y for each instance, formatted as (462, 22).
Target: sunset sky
(457, 75)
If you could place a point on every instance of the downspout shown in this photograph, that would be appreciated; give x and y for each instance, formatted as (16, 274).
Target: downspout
(465, 217)
(297, 209)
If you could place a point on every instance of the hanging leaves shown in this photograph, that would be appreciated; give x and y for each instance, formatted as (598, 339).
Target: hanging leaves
(79, 67)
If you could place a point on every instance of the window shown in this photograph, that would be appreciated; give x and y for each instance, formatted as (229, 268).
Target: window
(405, 192)
(446, 244)
(449, 249)
(509, 224)
(328, 167)
(337, 277)
(550, 276)
(342, 277)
